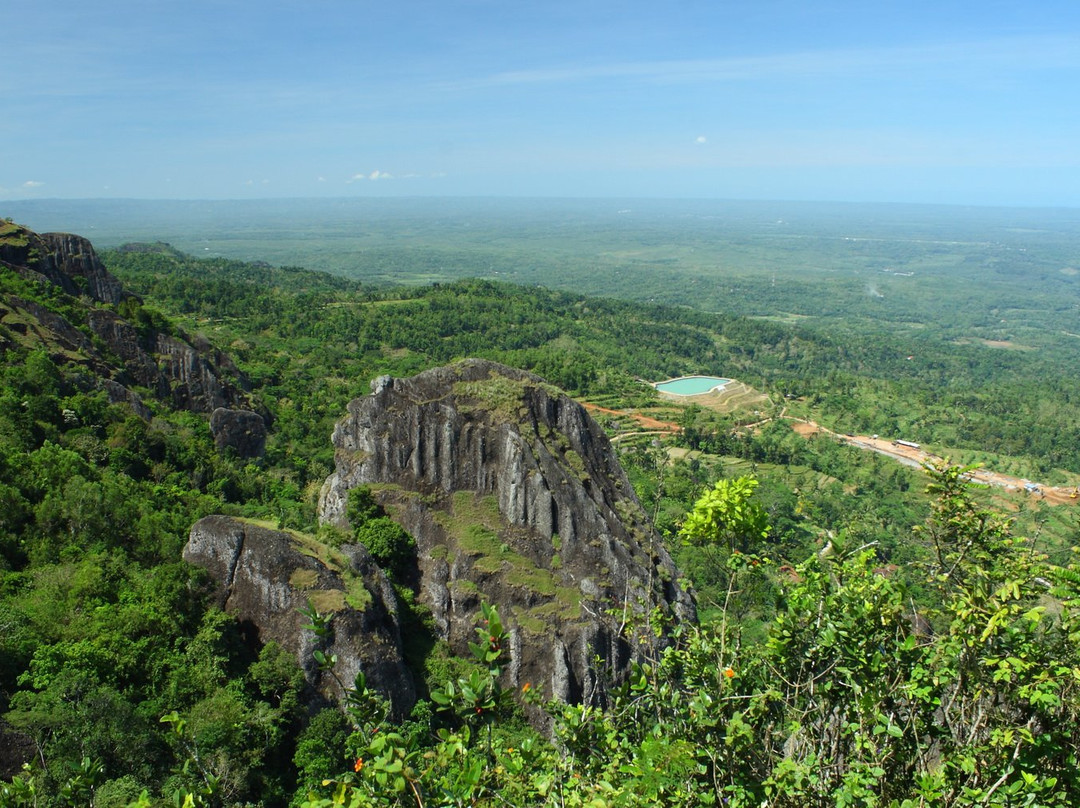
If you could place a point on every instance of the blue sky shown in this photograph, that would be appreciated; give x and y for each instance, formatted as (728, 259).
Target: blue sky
(950, 102)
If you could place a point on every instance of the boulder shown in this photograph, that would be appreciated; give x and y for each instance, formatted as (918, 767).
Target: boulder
(242, 431)
(264, 578)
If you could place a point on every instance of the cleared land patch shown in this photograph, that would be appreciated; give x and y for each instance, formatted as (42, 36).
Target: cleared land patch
(917, 456)
(1001, 344)
(727, 397)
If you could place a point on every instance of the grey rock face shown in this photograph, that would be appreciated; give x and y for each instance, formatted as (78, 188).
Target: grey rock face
(66, 260)
(191, 377)
(515, 496)
(266, 576)
(201, 378)
(75, 264)
(186, 372)
(242, 431)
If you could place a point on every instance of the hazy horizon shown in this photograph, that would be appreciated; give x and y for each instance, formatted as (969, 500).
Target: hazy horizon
(46, 200)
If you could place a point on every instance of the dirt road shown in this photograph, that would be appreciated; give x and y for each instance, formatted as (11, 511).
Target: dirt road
(919, 457)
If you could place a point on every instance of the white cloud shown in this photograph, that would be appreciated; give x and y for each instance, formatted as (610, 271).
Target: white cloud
(700, 139)
(32, 184)
(378, 174)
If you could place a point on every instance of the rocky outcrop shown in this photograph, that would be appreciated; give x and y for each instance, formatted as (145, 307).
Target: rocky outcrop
(65, 260)
(201, 379)
(264, 577)
(34, 322)
(132, 349)
(74, 263)
(125, 342)
(242, 431)
(514, 496)
(189, 374)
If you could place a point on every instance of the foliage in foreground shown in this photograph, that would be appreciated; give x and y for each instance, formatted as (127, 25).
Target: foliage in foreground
(851, 700)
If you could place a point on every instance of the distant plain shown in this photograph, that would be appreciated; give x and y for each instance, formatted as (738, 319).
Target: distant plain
(999, 278)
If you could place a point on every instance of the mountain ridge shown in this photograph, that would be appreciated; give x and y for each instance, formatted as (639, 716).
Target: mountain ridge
(81, 315)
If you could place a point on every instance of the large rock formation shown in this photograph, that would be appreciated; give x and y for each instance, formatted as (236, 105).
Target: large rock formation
(514, 496)
(63, 259)
(242, 431)
(132, 349)
(265, 577)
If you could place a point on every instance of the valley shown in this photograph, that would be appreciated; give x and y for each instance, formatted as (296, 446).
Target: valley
(158, 406)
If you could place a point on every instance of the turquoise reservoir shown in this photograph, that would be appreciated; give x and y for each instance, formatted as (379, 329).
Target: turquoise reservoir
(691, 385)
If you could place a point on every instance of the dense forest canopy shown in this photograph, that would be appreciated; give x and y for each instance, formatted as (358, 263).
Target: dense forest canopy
(931, 387)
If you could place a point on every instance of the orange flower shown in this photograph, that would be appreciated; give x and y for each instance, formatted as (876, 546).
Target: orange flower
(359, 764)
(729, 673)
(525, 688)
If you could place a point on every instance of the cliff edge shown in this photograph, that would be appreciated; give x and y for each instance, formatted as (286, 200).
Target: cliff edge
(68, 304)
(515, 496)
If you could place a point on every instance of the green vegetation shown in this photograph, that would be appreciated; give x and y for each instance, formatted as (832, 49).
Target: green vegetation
(12, 234)
(389, 544)
(847, 700)
(811, 681)
(472, 524)
(104, 629)
(850, 369)
(499, 395)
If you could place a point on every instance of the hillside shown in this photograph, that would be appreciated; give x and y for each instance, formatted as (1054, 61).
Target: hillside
(865, 639)
(61, 301)
(929, 379)
(997, 408)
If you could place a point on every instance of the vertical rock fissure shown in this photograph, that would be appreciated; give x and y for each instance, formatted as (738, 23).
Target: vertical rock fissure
(234, 562)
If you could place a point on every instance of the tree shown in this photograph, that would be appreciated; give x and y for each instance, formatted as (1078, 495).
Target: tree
(727, 517)
(727, 527)
(362, 506)
(389, 544)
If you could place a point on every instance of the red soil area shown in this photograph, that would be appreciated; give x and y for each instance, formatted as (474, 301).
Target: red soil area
(645, 421)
